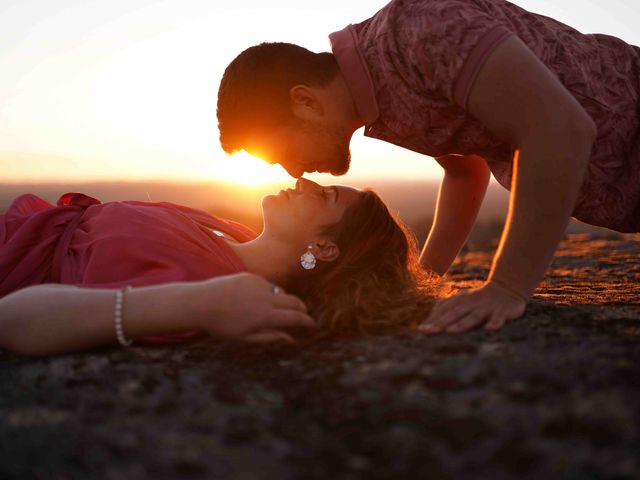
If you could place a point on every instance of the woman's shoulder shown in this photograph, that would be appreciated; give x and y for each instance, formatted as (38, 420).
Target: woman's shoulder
(235, 229)
(27, 204)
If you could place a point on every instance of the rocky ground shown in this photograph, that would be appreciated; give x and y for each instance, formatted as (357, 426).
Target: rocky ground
(554, 395)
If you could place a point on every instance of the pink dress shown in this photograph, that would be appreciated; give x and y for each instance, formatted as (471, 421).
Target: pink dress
(410, 69)
(86, 243)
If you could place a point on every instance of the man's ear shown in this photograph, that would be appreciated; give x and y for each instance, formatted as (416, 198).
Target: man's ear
(303, 96)
(325, 250)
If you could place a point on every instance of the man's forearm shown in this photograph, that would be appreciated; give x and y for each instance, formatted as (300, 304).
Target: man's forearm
(459, 199)
(542, 200)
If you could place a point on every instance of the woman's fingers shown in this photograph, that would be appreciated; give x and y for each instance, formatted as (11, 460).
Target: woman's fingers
(280, 318)
(269, 336)
(287, 301)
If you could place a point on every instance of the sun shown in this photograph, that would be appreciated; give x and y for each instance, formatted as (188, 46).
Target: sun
(246, 169)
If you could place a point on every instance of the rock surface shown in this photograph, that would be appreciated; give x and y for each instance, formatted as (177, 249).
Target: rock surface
(555, 394)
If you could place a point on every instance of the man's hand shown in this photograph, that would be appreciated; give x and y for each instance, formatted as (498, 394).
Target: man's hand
(490, 305)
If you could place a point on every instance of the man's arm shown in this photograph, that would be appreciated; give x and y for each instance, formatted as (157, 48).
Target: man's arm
(522, 102)
(461, 193)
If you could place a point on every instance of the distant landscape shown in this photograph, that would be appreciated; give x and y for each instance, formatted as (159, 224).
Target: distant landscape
(414, 201)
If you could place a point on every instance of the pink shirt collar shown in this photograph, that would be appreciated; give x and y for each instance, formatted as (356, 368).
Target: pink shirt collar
(355, 72)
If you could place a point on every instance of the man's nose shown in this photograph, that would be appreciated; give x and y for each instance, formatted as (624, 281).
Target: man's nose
(295, 171)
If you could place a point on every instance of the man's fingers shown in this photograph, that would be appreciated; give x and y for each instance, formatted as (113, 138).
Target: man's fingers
(438, 323)
(442, 321)
(431, 323)
(430, 328)
(441, 306)
(269, 336)
(496, 322)
(456, 314)
(470, 321)
(474, 308)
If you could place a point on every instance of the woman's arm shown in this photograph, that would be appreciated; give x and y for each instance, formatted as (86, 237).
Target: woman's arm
(49, 319)
(461, 193)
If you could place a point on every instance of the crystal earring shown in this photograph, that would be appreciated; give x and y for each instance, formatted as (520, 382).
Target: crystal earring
(307, 260)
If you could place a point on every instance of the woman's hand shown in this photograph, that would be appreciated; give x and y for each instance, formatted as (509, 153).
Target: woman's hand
(247, 307)
(490, 305)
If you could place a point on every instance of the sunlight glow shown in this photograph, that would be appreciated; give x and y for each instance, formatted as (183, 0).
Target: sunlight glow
(115, 89)
(249, 170)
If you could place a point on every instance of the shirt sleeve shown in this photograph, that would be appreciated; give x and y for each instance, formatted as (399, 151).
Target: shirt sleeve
(443, 44)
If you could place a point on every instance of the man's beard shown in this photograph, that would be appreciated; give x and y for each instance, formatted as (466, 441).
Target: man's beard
(341, 165)
(341, 158)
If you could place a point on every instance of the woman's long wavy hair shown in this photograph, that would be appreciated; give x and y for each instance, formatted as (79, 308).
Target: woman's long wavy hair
(376, 285)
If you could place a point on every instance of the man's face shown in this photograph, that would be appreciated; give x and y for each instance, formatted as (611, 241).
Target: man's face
(306, 147)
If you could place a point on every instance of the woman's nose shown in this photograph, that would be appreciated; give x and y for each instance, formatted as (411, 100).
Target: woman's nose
(303, 184)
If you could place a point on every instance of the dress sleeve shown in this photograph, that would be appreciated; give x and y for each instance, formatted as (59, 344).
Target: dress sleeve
(444, 44)
(237, 230)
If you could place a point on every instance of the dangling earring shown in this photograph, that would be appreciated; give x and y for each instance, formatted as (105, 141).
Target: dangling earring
(307, 260)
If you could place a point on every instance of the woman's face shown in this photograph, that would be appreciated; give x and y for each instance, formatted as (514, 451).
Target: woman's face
(297, 215)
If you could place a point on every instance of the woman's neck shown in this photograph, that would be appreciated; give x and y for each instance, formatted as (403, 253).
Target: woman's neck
(267, 257)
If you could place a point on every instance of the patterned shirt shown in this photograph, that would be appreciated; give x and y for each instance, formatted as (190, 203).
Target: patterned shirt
(411, 66)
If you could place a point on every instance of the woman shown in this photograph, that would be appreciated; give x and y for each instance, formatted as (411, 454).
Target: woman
(84, 274)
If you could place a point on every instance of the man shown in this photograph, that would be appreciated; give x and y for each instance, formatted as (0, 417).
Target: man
(482, 86)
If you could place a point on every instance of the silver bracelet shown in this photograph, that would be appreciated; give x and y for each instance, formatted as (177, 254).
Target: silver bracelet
(122, 340)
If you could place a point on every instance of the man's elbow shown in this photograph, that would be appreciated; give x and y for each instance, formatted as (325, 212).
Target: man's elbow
(471, 168)
(579, 132)
(572, 141)
(591, 129)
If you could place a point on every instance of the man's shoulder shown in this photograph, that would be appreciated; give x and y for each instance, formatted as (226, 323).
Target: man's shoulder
(401, 18)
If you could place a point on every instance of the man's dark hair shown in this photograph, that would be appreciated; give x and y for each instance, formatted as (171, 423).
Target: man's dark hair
(253, 98)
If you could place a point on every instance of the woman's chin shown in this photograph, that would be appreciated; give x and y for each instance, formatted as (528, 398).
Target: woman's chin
(279, 197)
(269, 199)
(270, 203)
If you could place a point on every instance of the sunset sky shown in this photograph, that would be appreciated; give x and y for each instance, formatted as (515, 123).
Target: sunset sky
(126, 89)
